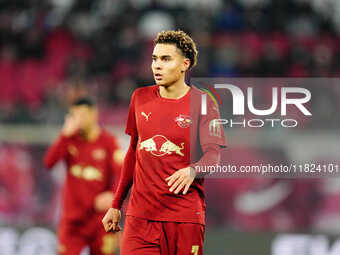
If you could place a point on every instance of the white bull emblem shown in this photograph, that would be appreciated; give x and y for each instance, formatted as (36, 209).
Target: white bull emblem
(169, 147)
(165, 145)
(148, 145)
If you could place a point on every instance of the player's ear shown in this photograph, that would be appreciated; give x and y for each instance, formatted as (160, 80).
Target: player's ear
(186, 65)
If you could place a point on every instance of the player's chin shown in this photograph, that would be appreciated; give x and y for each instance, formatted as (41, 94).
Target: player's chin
(159, 82)
(162, 83)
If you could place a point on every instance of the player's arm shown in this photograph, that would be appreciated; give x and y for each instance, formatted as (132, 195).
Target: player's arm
(211, 156)
(58, 150)
(212, 139)
(183, 178)
(117, 161)
(112, 217)
(103, 200)
(126, 175)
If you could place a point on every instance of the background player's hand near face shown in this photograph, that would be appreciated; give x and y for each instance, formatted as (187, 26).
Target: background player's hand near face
(181, 179)
(71, 125)
(111, 220)
(103, 201)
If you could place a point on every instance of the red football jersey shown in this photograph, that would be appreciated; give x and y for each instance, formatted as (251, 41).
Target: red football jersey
(170, 133)
(92, 167)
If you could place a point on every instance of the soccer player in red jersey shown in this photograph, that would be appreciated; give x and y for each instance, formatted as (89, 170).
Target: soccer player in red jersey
(166, 211)
(93, 159)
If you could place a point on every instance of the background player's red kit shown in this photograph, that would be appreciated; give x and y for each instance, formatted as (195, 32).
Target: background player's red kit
(91, 169)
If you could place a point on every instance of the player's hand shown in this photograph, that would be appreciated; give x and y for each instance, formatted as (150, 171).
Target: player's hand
(103, 201)
(111, 220)
(71, 125)
(181, 179)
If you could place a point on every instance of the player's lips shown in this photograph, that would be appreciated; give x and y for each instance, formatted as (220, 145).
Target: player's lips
(158, 76)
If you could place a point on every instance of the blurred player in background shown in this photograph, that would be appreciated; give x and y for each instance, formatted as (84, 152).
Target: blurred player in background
(93, 160)
(166, 211)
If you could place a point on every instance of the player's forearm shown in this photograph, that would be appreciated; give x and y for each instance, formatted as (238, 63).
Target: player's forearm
(211, 156)
(56, 151)
(126, 176)
(117, 165)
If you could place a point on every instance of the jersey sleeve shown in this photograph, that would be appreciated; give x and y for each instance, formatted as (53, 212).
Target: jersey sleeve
(56, 152)
(131, 126)
(126, 177)
(210, 129)
(211, 138)
(211, 156)
(116, 162)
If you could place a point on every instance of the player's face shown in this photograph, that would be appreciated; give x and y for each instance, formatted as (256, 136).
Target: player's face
(85, 116)
(168, 64)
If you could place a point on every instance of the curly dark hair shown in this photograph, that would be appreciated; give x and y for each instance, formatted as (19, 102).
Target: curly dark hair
(183, 42)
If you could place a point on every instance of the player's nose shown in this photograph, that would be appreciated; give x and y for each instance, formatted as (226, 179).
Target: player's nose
(156, 65)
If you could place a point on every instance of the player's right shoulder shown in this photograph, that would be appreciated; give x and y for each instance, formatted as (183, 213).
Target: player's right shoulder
(144, 90)
(145, 93)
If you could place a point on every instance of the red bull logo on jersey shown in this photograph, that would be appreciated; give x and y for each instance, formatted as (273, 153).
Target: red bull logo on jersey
(148, 145)
(183, 121)
(88, 173)
(159, 145)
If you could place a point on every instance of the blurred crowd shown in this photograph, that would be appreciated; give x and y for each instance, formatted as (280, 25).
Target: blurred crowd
(52, 52)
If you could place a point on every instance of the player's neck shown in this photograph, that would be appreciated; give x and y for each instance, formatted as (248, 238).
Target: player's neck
(92, 133)
(174, 91)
